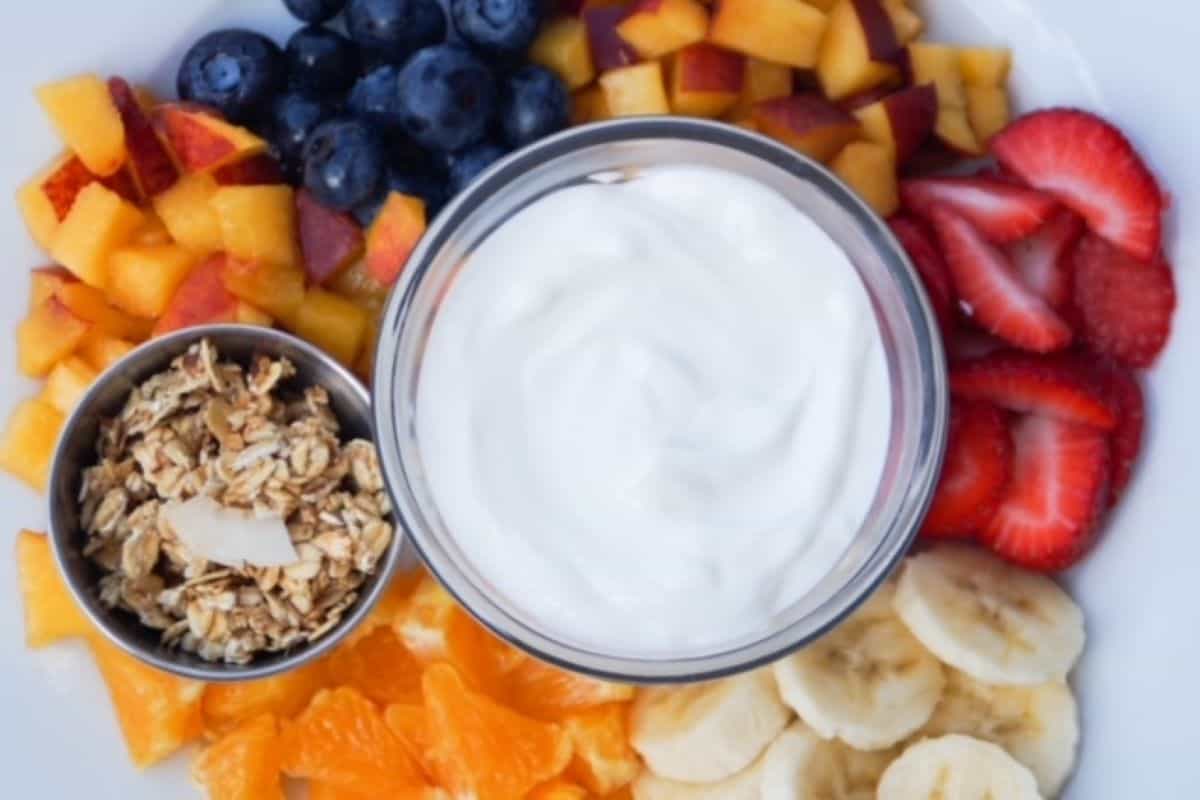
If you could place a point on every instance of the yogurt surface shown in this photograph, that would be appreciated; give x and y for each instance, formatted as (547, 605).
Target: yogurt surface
(654, 413)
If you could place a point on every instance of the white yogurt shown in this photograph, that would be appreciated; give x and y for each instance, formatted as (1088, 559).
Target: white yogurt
(653, 414)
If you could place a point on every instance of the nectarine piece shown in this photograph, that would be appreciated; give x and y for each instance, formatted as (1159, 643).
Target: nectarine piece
(901, 121)
(953, 128)
(589, 105)
(562, 47)
(394, 235)
(332, 323)
(247, 314)
(143, 278)
(48, 335)
(67, 382)
(658, 27)
(187, 212)
(357, 284)
(274, 288)
(857, 49)
(706, 80)
(149, 160)
(100, 352)
(200, 299)
(258, 223)
(329, 239)
(907, 24)
(762, 80)
(152, 232)
(91, 305)
(635, 90)
(99, 222)
(64, 183)
(83, 113)
(784, 31)
(50, 612)
(807, 122)
(38, 211)
(870, 170)
(44, 283)
(985, 67)
(260, 170)
(938, 64)
(28, 441)
(201, 140)
(608, 49)
(988, 110)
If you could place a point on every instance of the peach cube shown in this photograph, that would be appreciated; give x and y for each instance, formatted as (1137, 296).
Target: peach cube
(200, 299)
(50, 612)
(67, 382)
(332, 323)
(988, 110)
(356, 283)
(985, 67)
(589, 105)
(784, 31)
(101, 352)
(870, 170)
(258, 223)
(99, 222)
(247, 314)
(954, 129)
(91, 305)
(907, 24)
(201, 140)
(635, 90)
(27, 443)
(859, 39)
(938, 64)
(142, 278)
(83, 113)
(658, 27)
(276, 289)
(562, 47)
(153, 231)
(49, 334)
(186, 209)
(763, 80)
(807, 122)
(706, 80)
(37, 209)
(394, 235)
(44, 283)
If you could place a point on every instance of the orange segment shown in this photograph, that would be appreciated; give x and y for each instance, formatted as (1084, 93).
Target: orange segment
(481, 749)
(546, 692)
(603, 760)
(558, 789)
(411, 724)
(393, 602)
(158, 713)
(244, 765)
(228, 704)
(380, 667)
(318, 790)
(422, 624)
(624, 793)
(50, 611)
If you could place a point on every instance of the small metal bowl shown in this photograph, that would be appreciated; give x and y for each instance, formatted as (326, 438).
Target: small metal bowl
(76, 451)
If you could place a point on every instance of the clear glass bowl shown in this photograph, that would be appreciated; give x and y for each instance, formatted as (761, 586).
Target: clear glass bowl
(909, 330)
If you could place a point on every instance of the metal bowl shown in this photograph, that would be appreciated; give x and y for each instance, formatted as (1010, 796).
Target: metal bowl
(77, 450)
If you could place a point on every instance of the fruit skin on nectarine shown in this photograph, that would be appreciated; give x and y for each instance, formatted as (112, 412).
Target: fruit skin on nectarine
(200, 299)
(859, 47)
(201, 140)
(86, 118)
(706, 80)
(762, 80)
(329, 240)
(149, 161)
(393, 236)
(808, 123)
(901, 121)
(783, 31)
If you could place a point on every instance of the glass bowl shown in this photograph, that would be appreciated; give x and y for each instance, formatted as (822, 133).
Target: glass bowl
(907, 325)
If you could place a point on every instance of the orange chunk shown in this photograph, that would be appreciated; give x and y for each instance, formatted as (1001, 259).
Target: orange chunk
(277, 289)
(142, 278)
(83, 113)
(562, 47)
(394, 235)
(50, 612)
(332, 323)
(379, 666)
(203, 141)
(67, 383)
(101, 352)
(99, 222)
(411, 724)
(389, 607)
(91, 305)
(258, 223)
(49, 334)
(603, 761)
(244, 764)
(558, 789)
(227, 705)
(187, 212)
(28, 441)
(422, 625)
(158, 713)
(548, 692)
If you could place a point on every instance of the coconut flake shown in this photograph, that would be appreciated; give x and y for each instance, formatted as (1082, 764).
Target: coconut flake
(231, 537)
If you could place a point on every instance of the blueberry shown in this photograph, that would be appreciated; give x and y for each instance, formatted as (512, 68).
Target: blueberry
(376, 97)
(392, 30)
(417, 181)
(497, 26)
(343, 163)
(535, 104)
(291, 120)
(314, 10)
(235, 71)
(447, 97)
(321, 60)
(464, 166)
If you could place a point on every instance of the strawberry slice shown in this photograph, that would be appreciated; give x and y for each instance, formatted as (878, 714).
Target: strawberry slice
(1001, 210)
(976, 470)
(998, 301)
(1055, 387)
(1041, 259)
(1092, 168)
(1049, 514)
(919, 242)
(1125, 442)
(1125, 306)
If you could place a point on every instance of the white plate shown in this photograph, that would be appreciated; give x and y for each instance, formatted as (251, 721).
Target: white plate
(1132, 61)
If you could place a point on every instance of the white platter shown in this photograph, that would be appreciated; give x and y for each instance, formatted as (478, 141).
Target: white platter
(1133, 62)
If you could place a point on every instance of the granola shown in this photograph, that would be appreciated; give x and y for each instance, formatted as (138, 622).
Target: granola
(209, 427)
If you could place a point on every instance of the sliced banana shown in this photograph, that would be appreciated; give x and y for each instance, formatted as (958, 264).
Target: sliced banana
(1037, 725)
(999, 624)
(745, 785)
(956, 768)
(707, 732)
(869, 682)
(800, 765)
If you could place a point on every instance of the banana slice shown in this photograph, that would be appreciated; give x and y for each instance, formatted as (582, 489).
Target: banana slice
(799, 765)
(870, 682)
(956, 768)
(999, 624)
(707, 732)
(1037, 725)
(745, 785)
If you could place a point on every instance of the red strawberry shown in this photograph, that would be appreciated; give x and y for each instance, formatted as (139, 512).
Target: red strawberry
(1049, 514)
(998, 300)
(1125, 306)
(1125, 442)
(919, 242)
(1001, 210)
(1055, 387)
(978, 466)
(1041, 259)
(1091, 167)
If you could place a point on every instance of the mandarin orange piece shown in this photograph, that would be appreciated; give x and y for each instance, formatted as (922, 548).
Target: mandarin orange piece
(483, 750)
(558, 789)
(228, 704)
(158, 713)
(244, 764)
(603, 761)
(50, 611)
(411, 724)
(330, 791)
(421, 625)
(624, 793)
(342, 739)
(543, 691)
(484, 660)
(380, 667)
(390, 606)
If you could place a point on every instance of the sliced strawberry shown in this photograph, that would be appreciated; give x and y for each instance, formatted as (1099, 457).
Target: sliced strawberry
(921, 245)
(1125, 306)
(976, 470)
(1091, 167)
(1001, 210)
(1042, 259)
(1125, 442)
(1050, 512)
(998, 300)
(1054, 387)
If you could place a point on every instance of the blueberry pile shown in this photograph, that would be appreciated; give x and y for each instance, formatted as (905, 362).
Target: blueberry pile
(410, 98)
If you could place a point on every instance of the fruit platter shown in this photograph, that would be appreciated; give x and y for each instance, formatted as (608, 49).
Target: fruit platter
(303, 502)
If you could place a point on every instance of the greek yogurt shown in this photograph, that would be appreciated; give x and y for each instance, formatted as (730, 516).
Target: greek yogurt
(653, 412)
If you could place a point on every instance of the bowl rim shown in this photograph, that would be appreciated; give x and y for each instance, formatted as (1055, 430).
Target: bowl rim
(877, 567)
(153, 356)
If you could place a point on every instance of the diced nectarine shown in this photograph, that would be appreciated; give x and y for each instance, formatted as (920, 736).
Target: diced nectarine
(258, 223)
(562, 47)
(101, 352)
(783, 31)
(635, 90)
(247, 314)
(870, 170)
(394, 235)
(67, 382)
(187, 212)
(901, 121)
(938, 64)
(906, 22)
(99, 222)
(201, 299)
(989, 112)
(608, 49)
(143, 278)
(28, 441)
(44, 283)
(332, 323)
(954, 129)
(858, 46)
(37, 210)
(985, 67)
(50, 612)
(274, 288)
(151, 164)
(64, 183)
(48, 335)
(589, 105)
(91, 305)
(706, 80)
(202, 141)
(259, 170)
(658, 27)
(86, 118)
(763, 80)
(329, 240)
(807, 122)
(356, 283)
(152, 232)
